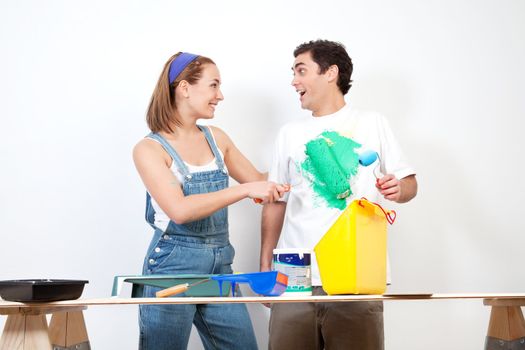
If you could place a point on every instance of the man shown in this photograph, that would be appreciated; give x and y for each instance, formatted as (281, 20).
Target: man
(322, 71)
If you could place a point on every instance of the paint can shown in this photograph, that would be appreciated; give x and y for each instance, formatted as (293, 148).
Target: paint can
(296, 263)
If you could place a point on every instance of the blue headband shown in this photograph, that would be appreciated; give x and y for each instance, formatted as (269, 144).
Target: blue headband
(179, 63)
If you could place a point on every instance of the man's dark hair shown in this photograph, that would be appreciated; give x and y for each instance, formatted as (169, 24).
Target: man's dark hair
(327, 53)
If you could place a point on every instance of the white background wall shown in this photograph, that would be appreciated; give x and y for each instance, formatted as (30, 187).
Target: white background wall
(76, 78)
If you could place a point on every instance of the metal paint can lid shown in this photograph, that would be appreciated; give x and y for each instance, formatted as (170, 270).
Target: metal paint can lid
(299, 251)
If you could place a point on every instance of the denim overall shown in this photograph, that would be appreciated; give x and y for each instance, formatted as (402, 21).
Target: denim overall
(198, 247)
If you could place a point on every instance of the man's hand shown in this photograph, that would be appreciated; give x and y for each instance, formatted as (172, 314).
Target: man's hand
(396, 190)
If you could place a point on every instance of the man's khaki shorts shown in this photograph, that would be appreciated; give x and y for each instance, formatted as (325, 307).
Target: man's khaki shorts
(340, 325)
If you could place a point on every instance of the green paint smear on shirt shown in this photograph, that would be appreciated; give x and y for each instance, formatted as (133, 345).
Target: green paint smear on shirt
(331, 161)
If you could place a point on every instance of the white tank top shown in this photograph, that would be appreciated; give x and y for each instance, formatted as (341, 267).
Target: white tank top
(161, 219)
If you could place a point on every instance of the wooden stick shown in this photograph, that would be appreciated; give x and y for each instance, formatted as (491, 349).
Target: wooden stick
(179, 288)
(6, 305)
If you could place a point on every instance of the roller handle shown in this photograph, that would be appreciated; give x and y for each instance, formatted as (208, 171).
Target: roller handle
(179, 288)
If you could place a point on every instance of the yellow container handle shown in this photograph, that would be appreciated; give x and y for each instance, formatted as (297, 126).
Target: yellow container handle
(390, 215)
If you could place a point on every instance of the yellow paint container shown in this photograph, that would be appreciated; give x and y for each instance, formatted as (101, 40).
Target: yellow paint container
(352, 254)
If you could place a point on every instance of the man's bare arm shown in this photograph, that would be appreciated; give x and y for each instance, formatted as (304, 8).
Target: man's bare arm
(272, 223)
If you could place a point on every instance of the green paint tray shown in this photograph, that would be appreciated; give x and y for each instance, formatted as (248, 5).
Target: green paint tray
(206, 289)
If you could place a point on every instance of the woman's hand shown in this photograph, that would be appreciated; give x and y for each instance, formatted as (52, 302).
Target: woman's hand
(265, 191)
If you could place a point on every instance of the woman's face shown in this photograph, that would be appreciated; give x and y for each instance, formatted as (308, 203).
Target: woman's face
(206, 93)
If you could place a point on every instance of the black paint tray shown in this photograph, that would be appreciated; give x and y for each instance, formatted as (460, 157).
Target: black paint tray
(41, 290)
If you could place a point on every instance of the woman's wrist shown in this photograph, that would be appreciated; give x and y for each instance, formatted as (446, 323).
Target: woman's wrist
(244, 189)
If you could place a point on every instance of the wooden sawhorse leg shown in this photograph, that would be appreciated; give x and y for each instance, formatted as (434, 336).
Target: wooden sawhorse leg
(67, 331)
(25, 332)
(26, 329)
(506, 326)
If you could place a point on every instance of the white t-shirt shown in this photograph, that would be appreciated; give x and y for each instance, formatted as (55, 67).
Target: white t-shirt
(308, 214)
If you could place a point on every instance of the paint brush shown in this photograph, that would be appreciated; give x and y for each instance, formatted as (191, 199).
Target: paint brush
(287, 188)
(179, 288)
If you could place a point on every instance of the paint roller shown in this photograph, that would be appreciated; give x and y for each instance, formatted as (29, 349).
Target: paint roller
(329, 169)
(369, 157)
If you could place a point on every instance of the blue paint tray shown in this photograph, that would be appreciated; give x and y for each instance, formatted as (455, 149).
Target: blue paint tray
(206, 289)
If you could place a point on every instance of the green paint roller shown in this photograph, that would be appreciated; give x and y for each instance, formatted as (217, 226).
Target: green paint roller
(328, 167)
(329, 170)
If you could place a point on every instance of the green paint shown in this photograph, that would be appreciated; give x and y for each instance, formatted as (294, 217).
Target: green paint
(331, 161)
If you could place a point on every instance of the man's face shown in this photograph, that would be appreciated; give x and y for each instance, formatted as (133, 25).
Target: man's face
(309, 84)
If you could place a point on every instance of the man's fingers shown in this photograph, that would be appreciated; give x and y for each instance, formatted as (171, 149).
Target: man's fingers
(390, 190)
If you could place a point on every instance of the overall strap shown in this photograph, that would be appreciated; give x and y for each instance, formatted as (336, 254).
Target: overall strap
(173, 154)
(218, 159)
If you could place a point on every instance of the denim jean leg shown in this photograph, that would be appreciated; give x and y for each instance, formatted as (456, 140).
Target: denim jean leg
(164, 327)
(225, 326)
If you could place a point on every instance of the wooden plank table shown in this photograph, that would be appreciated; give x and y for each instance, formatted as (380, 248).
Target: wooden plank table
(26, 326)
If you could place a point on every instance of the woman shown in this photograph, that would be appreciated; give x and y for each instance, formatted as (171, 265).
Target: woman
(185, 168)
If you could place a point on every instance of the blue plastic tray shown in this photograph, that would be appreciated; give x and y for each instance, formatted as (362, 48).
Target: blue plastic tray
(271, 283)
